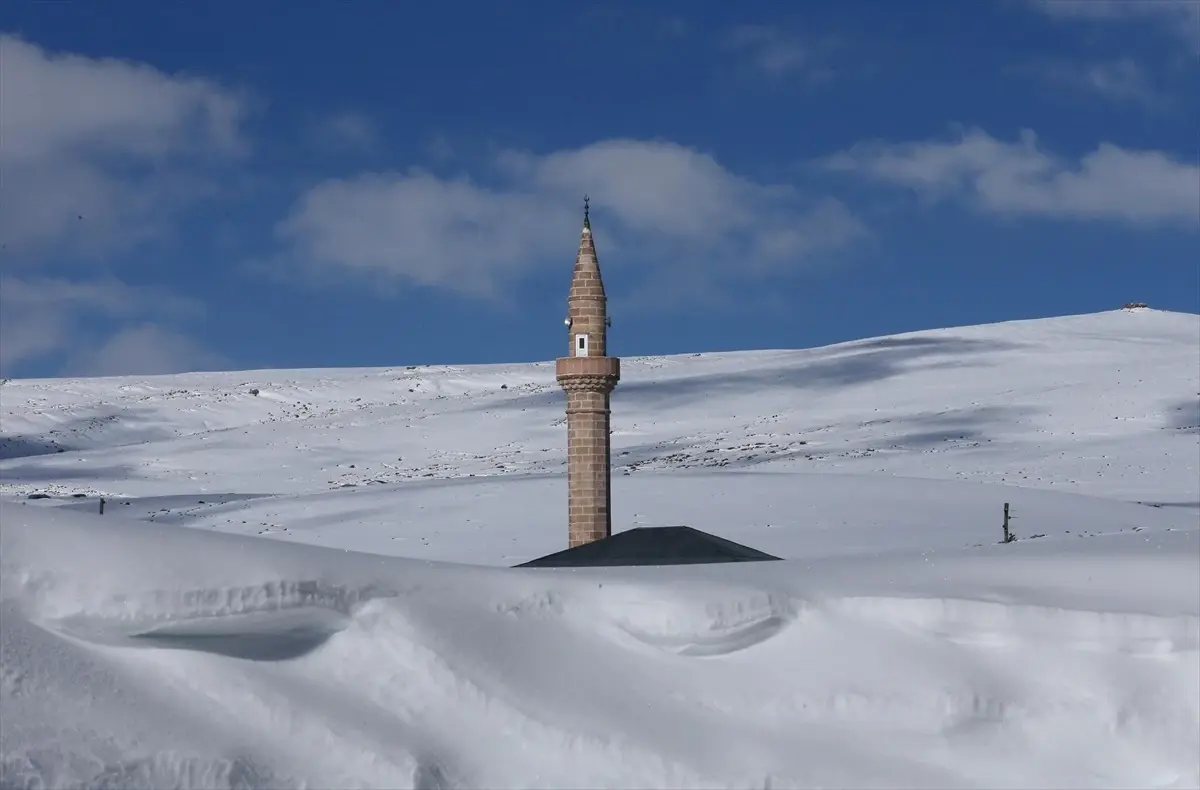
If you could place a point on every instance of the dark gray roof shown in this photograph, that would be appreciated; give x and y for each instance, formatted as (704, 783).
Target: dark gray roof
(651, 546)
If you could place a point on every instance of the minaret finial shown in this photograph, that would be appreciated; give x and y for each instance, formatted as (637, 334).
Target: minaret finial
(587, 222)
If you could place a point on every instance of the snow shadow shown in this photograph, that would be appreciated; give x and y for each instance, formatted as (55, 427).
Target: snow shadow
(867, 363)
(261, 636)
(862, 363)
(81, 473)
(926, 432)
(136, 426)
(27, 447)
(177, 505)
(1184, 415)
(272, 621)
(1184, 505)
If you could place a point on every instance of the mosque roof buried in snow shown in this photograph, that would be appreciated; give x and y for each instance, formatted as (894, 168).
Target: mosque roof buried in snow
(651, 546)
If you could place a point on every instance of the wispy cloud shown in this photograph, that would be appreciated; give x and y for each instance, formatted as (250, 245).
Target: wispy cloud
(675, 27)
(439, 149)
(1179, 18)
(1140, 188)
(146, 349)
(777, 53)
(1121, 81)
(667, 201)
(346, 132)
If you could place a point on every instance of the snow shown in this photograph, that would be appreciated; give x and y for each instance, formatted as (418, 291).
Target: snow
(307, 587)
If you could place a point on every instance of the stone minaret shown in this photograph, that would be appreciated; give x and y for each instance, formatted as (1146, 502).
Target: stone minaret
(588, 376)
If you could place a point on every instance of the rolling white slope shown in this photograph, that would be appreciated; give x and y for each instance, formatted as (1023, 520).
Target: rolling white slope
(144, 656)
(1105, 404)
(898, 647)
(501, 521)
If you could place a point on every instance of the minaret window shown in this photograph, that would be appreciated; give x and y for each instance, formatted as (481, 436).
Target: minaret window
(581, 345)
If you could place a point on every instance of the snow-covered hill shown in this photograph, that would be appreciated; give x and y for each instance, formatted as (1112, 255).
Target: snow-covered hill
(897, 645)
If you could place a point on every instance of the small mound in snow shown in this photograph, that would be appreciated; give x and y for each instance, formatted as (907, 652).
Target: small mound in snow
(258, 636)
(690, 619)
(713, 641)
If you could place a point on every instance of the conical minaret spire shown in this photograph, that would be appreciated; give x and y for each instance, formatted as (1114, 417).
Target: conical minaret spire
(588, 375)
(587, 304)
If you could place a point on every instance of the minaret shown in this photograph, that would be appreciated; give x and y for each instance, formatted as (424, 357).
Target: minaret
(588, 376)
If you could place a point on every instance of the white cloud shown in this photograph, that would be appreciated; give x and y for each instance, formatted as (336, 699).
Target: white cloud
(659, 198)
(419, 228)
(1180, 18)
(346, 132)
(143, 350)
(97, 155)
(1109, 183)
(649, 186)
(93, 147)
(40, 317)
(778, 53)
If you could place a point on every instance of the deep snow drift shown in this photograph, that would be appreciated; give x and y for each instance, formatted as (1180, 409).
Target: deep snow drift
(898, 645)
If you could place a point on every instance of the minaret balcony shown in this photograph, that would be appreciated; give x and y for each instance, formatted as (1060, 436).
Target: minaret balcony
(583, 370)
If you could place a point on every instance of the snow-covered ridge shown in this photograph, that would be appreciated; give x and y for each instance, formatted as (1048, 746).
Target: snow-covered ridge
(1091, 382)
(290, 588)
(1104, 405)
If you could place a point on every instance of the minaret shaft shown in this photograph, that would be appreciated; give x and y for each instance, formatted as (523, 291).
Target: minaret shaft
(589, 464)
(588, 375)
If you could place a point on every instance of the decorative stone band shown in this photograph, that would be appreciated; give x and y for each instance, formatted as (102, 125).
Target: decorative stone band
(597, 374)
(601, 384)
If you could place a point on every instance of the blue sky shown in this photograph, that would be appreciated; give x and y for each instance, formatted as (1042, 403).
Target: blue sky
(270, 184)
